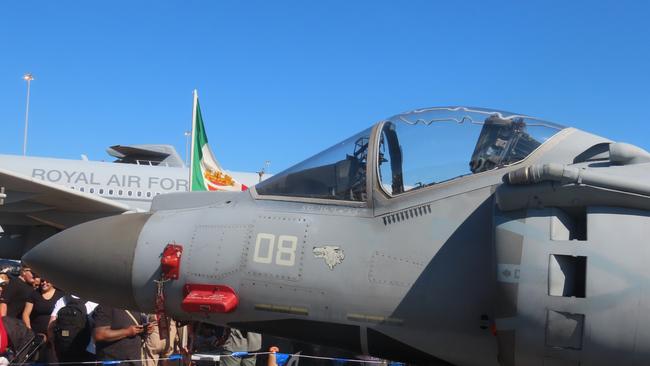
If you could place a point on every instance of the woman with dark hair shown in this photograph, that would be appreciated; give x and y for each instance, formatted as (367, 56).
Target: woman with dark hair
(37, 311)
(39, 306)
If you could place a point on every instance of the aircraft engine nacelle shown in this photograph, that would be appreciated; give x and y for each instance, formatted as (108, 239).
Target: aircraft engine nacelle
(572, 267)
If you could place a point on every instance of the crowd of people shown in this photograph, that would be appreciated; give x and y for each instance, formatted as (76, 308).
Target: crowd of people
(74, 330)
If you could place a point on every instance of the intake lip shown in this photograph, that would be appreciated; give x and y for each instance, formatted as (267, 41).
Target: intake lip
(93, 260)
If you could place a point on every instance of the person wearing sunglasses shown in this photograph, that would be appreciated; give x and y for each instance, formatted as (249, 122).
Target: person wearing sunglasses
(39, 306)
(16, 293)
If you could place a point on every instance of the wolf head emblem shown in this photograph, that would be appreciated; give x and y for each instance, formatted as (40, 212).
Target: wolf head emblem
(333, 255)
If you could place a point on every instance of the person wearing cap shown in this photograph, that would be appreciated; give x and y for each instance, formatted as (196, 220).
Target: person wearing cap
(16, 293)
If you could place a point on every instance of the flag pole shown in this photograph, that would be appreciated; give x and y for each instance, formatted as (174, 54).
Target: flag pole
(196, 98)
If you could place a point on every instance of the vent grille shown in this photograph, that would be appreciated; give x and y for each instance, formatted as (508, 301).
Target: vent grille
(406, 214)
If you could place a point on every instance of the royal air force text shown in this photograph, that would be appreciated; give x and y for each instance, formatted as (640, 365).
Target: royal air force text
(114, 180)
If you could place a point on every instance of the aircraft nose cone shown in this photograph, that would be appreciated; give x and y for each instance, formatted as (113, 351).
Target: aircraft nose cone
(93, 260)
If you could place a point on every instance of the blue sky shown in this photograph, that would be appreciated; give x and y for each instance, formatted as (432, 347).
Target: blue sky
(282, 80)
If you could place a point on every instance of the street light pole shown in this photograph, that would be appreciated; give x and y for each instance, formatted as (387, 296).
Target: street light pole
(264, 170)
(27, 77)
(187, 145)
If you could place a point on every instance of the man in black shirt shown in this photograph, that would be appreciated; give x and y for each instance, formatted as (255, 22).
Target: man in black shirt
(16, 293)
(118, 334)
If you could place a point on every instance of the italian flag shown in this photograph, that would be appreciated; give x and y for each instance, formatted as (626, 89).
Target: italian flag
(205, 172)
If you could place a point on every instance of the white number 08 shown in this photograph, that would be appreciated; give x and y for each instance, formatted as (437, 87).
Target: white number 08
(265, 245)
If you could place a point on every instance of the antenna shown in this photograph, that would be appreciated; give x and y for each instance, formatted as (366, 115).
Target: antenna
(187, 145)
(28, 77)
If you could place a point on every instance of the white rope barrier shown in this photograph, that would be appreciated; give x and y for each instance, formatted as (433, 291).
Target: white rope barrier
(211, 357)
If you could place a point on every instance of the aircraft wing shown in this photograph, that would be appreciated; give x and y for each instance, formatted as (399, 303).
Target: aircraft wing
(33, 202)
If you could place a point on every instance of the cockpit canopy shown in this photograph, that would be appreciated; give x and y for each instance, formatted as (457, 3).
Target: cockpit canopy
(415, 150)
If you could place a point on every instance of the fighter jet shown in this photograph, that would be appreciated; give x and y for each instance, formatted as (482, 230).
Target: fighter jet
(441, 236)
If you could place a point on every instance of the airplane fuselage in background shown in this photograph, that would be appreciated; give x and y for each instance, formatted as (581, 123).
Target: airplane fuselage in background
(46, 195)
(131, 184)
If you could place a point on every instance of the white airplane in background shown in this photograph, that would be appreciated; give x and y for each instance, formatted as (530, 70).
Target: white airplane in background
(46, 195)
(42, 196)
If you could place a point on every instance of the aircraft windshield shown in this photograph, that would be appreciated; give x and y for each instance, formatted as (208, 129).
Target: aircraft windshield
(337, 173)
(429, 146)
(416, 149)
